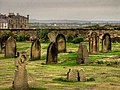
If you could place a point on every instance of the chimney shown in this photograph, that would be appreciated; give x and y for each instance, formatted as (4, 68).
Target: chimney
(28, 17)
(11, 13)
(17, 14)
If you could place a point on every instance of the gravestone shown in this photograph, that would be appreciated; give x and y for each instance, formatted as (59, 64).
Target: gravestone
(82, 75)
(94, 43)
(35, 50)
(0, 45)
(83, 56)
(10, 48)
(106, 43)
(3, 39)
(61, 43)
(20, 79)
(76, 75)
(52, 36)
(52, 53)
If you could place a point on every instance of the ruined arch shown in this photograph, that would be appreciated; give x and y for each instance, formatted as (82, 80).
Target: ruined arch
(94, 42)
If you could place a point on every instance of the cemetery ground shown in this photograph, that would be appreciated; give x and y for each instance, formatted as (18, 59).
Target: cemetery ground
(102, 74)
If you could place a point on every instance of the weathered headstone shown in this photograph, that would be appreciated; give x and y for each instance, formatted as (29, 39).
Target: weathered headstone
(61, 43)
(76, 75)
(106, 43)
(3, 39)
(82, 75)
(0, 45)
(94, 43)
(35, 50)
(10, 47)
(72, 75)
(20, 79)
(52, 36)
(52, 53)
(83, 56)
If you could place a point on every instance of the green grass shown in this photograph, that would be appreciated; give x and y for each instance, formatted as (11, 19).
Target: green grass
(53, 77)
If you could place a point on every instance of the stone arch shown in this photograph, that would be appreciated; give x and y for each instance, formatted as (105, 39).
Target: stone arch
(61, 43)
(94, 42)
(106, 42)
(52, 53)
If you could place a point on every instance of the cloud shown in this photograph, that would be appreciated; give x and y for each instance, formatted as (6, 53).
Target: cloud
(64, 9)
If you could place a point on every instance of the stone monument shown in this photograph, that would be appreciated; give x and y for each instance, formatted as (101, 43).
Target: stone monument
(106, 43)
(35, 50)
(10, 47)
(20, 79)
(83, 56)
(61, 43)
(52, 53)
(93, 43)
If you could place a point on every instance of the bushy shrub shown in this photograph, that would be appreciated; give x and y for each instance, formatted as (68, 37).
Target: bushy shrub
(69, 38)
(91, 79)
(61, 79)
(20, 37)
(115, 39)
(42, 34)
(77, 40)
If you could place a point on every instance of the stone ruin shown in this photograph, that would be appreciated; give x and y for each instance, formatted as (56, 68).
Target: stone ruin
(52, 53)
(10, 47)
(106, 43)
(61, 43)
(20, 79)
(83, 55)
(76, 75)
(35, 50)
(94, 43)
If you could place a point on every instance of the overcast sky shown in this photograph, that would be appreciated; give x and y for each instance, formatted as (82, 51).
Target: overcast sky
(64, 9)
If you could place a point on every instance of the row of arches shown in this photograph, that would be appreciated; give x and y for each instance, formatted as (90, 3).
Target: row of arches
(94, 42)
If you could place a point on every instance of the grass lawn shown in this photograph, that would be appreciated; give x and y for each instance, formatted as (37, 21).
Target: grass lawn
(47, 77)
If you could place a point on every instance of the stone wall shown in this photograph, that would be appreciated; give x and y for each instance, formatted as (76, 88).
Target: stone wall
(84, 32)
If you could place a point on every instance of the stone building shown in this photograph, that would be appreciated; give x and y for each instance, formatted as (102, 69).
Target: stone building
(13, 21)
(3, 22)
(17, 21)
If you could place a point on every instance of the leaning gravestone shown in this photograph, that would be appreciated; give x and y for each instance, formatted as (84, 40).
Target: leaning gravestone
(20, 80)
(76, 75)
(35, 50)
(10, 48)
(52, 53)
(72, 75)
(83, 56)
(94, 43)
(61, 43)
(106, 43)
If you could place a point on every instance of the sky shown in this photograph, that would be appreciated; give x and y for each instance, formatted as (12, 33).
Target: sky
(108, 10)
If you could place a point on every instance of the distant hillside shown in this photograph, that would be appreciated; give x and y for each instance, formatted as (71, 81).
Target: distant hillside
(70, 21)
